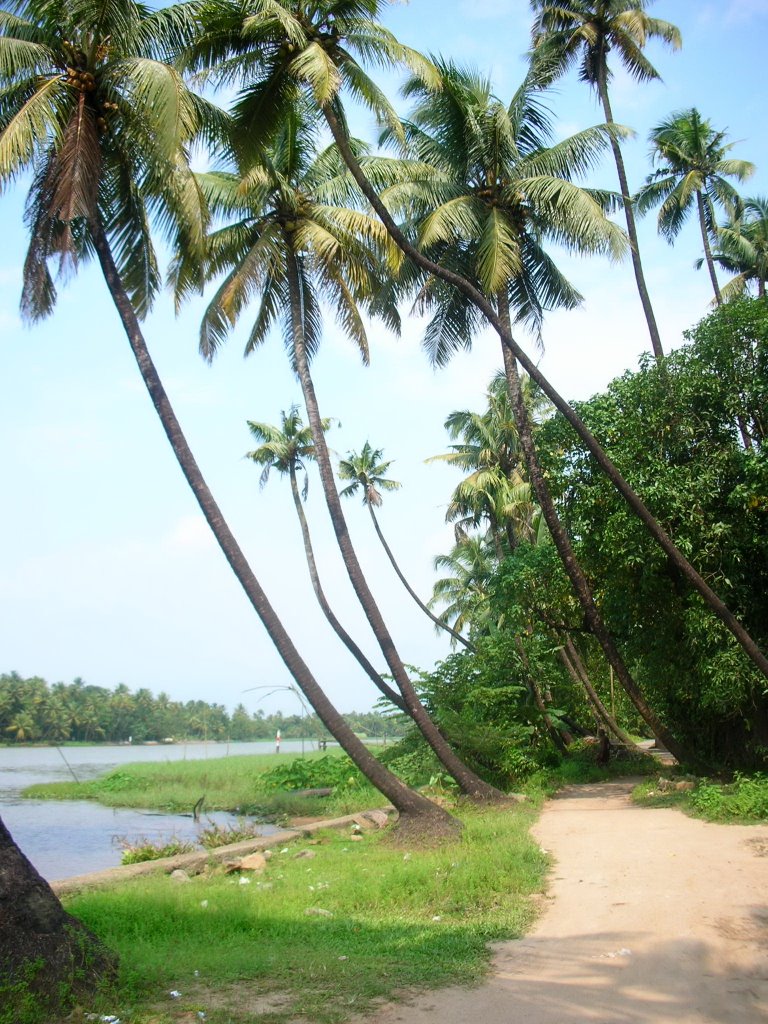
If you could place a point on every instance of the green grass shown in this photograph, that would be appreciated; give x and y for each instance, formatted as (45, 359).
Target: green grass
(395, 919)
(742, 801)
(228, 783)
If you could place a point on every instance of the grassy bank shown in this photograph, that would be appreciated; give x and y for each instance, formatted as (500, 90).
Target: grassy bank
(742, 801)
(228, 783)
(318, 937)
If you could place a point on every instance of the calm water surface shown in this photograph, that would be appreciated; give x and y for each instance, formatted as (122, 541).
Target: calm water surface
(72, 837)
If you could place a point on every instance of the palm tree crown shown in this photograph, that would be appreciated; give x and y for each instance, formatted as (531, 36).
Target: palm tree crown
(92, 107)
(295, 217)
(497, 191)
(286, 448)
(584, 32)
(743, 248)
(691, 173)
(366, 470)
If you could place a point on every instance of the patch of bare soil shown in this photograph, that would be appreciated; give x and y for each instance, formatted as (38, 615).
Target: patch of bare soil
(651, 918)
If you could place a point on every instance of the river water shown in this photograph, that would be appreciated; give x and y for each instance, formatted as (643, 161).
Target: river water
(63, 838)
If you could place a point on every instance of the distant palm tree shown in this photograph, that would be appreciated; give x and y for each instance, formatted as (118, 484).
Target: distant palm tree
(287, 449)
(366, 470)
(464, 589)
(691, 172)
(585, 32)
(742, 248)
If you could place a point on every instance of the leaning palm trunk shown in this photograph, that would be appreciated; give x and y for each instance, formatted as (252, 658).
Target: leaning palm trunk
(707, 247)
(575, 667)
(322, 600)
(469, 783)
(437, 621)
(410, 805)
(629, 214)
(638, 507)
(567, 555)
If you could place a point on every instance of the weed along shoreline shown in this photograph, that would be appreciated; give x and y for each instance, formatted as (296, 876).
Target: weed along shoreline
(194, 863)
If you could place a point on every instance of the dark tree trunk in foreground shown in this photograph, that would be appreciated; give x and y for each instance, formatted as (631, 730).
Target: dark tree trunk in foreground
(638, 507)
(388, 551)
(469, 783)
(44, 951)
(413, 807)
(325, 607)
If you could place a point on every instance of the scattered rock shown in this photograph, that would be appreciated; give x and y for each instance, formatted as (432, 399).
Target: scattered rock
(317, 912)
(356, 838)
(684, 786)
(180, 876)
(304, 854)
(253, 862)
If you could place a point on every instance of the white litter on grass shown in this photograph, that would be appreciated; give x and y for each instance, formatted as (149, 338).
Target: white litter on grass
(245, 881)
(104, 1018)
(343, 958)
(437, 917)
(174, 994)
(203, 903)
(197, 974)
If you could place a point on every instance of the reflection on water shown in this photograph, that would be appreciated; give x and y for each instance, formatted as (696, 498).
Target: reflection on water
(73, 837)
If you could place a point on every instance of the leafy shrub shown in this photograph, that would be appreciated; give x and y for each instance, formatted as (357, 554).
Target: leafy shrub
(745, 799)
(144, 849)
(336, 772)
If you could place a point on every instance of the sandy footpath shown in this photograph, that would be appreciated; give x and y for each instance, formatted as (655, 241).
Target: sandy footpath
(651, 917)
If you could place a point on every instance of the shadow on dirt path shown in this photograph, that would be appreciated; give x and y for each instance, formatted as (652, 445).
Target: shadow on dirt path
(651, 918)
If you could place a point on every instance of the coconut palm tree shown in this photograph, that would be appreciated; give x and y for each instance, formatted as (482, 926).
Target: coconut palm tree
(464, 590)
(742, 248)
(298, 236)
(584, 32)
(498, 192)
(285, 49)
(495, 491)
(91, 105)
(367, 473)
(691, 172)
(287, 449)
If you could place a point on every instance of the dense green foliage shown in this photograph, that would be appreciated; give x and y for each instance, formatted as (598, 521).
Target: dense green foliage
(689, 435)
(32, 711)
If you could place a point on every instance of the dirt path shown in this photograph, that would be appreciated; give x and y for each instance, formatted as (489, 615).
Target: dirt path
(651, 918)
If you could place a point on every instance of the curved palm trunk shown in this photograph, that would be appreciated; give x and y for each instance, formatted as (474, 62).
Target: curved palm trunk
(707, 247)
(409, 588)
(638, 507)
(405, 800)
(562, 542)
(322, 600)
(629, 214)
(469, 783)
(578, 672)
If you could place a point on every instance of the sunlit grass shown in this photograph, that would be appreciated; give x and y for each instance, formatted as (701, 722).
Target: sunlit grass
(353, 922)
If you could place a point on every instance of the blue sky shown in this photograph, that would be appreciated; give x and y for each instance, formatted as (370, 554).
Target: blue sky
(107, 570)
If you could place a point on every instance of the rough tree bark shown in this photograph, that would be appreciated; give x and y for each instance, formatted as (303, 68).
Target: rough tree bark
(44, 951)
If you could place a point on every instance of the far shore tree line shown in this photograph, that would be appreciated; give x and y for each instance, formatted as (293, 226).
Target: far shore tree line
(32, 711)
(611, 563)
